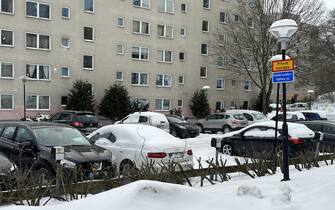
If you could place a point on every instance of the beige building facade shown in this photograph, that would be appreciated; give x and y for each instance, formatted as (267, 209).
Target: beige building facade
(161, 50)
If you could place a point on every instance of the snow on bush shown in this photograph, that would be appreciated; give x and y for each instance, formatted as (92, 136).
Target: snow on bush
(250, 191)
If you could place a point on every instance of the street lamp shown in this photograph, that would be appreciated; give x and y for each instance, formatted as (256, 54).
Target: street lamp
(205, 88)
(24, 81)
(283, 31)
(310, 92)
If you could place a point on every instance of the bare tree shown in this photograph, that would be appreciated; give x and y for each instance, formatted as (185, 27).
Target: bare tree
(250, 45)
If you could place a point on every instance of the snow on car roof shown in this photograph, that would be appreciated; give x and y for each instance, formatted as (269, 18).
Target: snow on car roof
(242, 110)
(149, 113)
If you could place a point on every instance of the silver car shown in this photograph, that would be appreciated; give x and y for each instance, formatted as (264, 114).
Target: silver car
(222, 122)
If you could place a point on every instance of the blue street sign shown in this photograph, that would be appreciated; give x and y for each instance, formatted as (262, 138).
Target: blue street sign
(283, 77)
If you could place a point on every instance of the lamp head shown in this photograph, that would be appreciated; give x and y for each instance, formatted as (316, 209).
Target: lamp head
(283, 29)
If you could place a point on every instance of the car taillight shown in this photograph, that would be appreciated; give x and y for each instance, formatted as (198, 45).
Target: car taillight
(77, 124)
(189, 152)
(234, 122)
(157, 155)
(295, 140)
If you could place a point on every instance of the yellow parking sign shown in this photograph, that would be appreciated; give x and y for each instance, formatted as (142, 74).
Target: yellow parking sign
(283, 65)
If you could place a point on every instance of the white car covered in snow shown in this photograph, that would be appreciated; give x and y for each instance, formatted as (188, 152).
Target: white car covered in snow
(134, 145)
(290, 116)
(251, 115)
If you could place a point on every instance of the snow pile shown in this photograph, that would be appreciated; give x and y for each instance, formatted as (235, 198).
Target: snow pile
(307, 190)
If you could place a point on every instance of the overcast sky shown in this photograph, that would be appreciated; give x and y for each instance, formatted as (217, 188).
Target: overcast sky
(330, 4)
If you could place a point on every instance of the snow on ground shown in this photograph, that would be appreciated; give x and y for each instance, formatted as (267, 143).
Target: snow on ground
(307, 190)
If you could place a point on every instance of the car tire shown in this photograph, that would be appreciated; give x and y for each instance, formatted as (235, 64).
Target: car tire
(200, 128)
(226, 129)
(227, 149)
(173, 132)
(127, 168)
(44, 176)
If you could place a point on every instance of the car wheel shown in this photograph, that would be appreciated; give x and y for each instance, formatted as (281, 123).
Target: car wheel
(226, 129)
(200, 128)
(44, 176)
(227, 149)
(127, 168)
(173, 132)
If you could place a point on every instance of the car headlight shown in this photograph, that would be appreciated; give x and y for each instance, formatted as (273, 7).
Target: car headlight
(181, 127)
(67, 164)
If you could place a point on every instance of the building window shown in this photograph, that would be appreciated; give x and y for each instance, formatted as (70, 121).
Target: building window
(37, 102)
(223, 17)
(220, 83)
(65, 42)
(166, 6)
(219, 105)
(164, 31)
(37, 41)
(223, 39)
(6, 6)
(63, 100)
(205, 26)
(88, 62)
(65, 71)
(203, 72)
(140, 53)
(164, 56)
(163, 104)
(204, 49)
(141, 27)
(181, 80)
(6, 70)
(252, 3)
(66, 12)
(181, 56)
(236, 18)
(89, 6)
(233, 104)
(183, 7)
(119, 76)
(37, 10)
(247, 85)
(233, 83)
(6, 102)
(183, 32)
(220, 62)
(180, 103)
(139, 79)
(38, 72)
(163, 80)
(120, 49)
(7, 38)
(206, 4)
(120, 22)
(142, 3)
(88, 33)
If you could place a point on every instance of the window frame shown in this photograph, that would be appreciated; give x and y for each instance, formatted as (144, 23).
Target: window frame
(223, 83)
(183, 28)
(164, 54)
(165, 7)
(61, 72)
(37, 102)
(141, 27)
(89, 11)
(226, 17)
(13, 101)
(139, 53)
(209, 5)
(63, 105)
(38, 10)
(13, 69)
(61, 42)
(38, 41)
(93, 37)
(202, 26)
(163, 80)
(8, 13)
(181, 83)
(89, 69)
(139, 79)
(13, 37)
(182, 103)
(221, 104)
(249, 85)
(69, 13)
(181, 7)
(38, 72)
(122, 49)
(162, 104)
(141, 5)
(117, 21)
(206, 68)
(116, 78)
(164, 31)
(202, 54)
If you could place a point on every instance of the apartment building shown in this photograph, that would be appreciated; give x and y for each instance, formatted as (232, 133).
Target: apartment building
(159, 49)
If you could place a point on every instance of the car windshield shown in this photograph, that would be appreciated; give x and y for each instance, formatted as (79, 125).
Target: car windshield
(258, 116)
(60, 136)
(176, 120)
(85, 117)
(239, 117)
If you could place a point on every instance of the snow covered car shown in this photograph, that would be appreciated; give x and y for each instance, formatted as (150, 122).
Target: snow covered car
(290, 116)
(156, 119)
(133, 145)
(251, 115)
(260, 137)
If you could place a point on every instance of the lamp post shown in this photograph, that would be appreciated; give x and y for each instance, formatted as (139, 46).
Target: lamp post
(310, 92)
(24, 81)
(283, 31)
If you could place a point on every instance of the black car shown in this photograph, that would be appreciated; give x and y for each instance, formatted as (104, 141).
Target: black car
(181, 128)
(310, 115)
(328, 130)
(29, 145)
(259, 138)
(84, 121)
